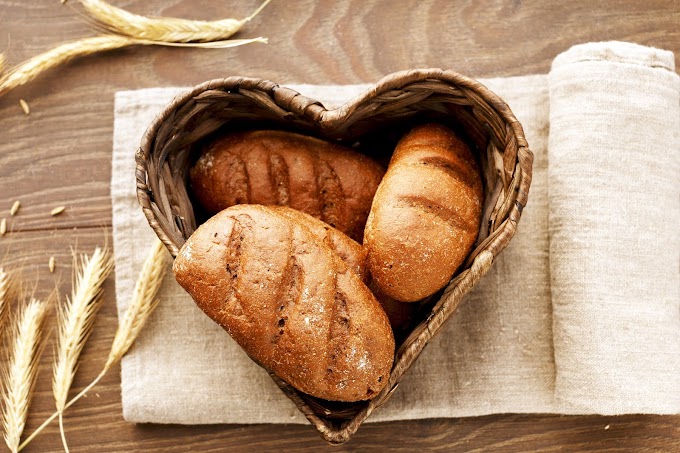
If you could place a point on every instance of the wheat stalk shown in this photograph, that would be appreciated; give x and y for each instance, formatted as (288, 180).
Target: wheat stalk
(166, 29)
(26, 346)
(126, 29)
(139, 310)
(30, 69)
(76, 320)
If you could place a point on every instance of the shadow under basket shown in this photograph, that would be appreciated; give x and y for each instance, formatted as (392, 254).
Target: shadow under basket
(371, 123)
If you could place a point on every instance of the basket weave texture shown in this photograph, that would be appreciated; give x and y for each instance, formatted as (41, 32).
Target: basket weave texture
(390, 107)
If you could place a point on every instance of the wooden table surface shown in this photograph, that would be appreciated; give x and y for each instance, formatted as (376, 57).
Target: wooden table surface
(60, 155)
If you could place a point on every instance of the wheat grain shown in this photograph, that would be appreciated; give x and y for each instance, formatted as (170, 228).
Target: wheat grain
(161, 29)
(19, 377)
(32, 68)
(76, 319)
(15, 208)
(51, 264)
(25, 107)
(3, 227)
(58, 210)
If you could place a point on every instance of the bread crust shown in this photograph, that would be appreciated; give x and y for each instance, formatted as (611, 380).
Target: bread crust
(349, 250)
(290, 301)
(425, 215)
(268, 167)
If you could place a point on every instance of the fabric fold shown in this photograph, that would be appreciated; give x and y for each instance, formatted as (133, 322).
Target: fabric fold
(614, 202)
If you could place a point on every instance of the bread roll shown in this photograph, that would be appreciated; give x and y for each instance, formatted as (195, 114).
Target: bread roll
(403, 316)
(290, 301)
(351, 252)
(425, 215)
(327, 181)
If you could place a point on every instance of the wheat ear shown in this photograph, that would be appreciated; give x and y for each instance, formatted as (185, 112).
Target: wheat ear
(143, 303)
(6, 290)
(25, 348)
(32, 68)
(76, 320)
(165, 29)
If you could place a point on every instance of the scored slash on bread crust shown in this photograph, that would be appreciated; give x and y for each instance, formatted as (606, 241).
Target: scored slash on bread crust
(289, 300)
(349, 250)
(330, 182)
(425, 215)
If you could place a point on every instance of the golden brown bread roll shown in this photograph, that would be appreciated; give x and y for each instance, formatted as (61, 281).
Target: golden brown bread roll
(425, 214)
(290, 301)
(327, 181)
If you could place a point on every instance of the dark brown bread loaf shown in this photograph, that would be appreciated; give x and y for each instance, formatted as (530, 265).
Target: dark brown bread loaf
(290, 301)
(425, 214)
(403, 316)
(327, 181)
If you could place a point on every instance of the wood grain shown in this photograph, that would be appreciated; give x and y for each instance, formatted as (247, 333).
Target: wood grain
(60, 155)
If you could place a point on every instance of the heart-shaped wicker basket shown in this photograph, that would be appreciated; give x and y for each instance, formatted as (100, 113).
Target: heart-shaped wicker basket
(372, 123)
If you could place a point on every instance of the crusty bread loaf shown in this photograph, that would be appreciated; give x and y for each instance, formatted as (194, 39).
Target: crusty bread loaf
(425, 215)
(403, 316)
(327, 181)
(290, 301)
(351, 252)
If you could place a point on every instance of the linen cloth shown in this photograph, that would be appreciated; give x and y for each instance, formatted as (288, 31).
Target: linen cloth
(614, 226)
(579, 314)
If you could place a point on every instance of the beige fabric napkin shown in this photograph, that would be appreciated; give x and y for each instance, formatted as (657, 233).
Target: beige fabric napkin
(601, 247)
(614, 209)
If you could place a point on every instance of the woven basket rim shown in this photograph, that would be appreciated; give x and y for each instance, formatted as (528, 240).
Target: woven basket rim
(298, 104)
